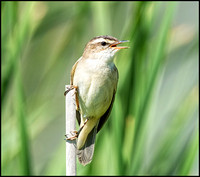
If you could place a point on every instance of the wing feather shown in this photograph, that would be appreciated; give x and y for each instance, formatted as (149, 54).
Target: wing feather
(78, 116)
(73, 71)
(106, 115)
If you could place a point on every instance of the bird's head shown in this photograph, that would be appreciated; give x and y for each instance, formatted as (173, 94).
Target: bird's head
(103, 48)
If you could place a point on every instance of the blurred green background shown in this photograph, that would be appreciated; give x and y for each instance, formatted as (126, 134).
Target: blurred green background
(153, 128)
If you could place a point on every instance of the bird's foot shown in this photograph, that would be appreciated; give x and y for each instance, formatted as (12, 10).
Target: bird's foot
(72, 135)
(71, 87)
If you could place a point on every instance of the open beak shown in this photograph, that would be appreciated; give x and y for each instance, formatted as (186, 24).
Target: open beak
(114, 45)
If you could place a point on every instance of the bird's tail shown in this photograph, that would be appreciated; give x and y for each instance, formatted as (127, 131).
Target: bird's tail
(85, 154)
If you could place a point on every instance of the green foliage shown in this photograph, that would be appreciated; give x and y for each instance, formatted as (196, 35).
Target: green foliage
(153, 128)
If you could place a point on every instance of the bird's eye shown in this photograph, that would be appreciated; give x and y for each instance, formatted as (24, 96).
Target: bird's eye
(103, 43)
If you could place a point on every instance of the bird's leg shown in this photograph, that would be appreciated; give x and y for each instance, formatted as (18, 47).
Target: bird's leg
(76, 97)
(82, 125)
(76, 133)
(76, 94)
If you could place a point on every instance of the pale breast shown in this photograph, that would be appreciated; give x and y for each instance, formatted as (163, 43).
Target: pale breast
(96, 85)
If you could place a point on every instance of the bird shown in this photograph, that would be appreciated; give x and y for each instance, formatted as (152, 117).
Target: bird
(95, 77)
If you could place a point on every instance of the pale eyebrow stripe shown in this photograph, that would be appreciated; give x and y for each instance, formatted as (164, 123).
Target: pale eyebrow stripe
(98, 40)
(101, 40)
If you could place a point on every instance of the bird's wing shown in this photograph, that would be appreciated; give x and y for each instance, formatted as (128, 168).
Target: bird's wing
(78, 117)
(104, 118)
(73, 71)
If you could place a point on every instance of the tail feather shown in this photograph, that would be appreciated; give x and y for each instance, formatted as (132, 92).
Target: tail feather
(85, 154)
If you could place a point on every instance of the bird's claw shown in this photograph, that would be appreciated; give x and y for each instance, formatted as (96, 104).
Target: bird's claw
(71, 87)
(72, 135)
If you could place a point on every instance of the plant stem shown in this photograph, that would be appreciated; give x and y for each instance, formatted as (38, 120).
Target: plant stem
(70, 115)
